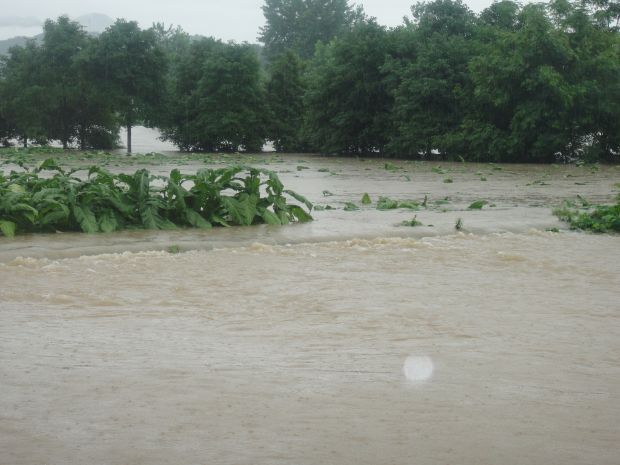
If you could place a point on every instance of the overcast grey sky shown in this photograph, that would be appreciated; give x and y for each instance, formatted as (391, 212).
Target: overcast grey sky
(238, 20)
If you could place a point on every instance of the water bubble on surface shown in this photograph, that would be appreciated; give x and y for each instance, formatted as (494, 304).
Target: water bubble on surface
(418, 368)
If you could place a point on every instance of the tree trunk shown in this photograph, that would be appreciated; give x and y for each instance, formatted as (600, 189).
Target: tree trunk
(25, 142)
(129, 123)
(128, 137)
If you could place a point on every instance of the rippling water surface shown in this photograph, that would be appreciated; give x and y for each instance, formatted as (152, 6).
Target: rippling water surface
(348, 340)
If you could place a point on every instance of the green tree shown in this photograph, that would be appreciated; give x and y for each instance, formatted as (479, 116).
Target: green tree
(217, 99)
(502, 15)
(347, 99)
(594, 114)
(299, 24)
(63, 40)
(23, 95)
(285, 92)
(7, 131)
(522, 94)
(130, 65)
(97, 122)
(428, 89)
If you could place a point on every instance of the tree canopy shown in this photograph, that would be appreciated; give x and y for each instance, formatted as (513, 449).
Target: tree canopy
(533, 83)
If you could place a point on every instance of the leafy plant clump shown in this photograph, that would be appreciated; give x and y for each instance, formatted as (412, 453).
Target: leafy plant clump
(477, 205)
(411, 223)
(600, 218)
(108, 202)
(386, 203)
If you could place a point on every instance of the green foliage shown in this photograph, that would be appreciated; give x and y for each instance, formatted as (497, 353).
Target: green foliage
(216, 99)
(105, 202)
(459, 224)
(350, 206)
(600, 218)
(297, 25)
(47, 93)
(285, 92)
(428, 80)
(347, 99)
(412, 222)
(366, 199)
(478, 204)
(23, 92)
(532, 83)
(386, 203)
(129, 64)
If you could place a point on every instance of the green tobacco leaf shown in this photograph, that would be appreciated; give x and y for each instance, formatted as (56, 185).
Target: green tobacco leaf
(366, 199)
(17, 188)
(410, 204)
(30, 213)
(58, 212)
(243, 210)
(477, 205)
(385, 203)
(350, 206)
(86, 219)
(300, 214)
(108, 222)
(269, 217)
(7, 228)
(299, 198)
(196, 220)
(49, 164)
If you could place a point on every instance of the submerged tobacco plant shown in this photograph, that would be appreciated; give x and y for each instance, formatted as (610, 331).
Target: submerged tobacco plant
(106, 202)
(599, 218)
(411, 223)
(477, 205)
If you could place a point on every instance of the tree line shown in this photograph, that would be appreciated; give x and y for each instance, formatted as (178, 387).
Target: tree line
(533, 83)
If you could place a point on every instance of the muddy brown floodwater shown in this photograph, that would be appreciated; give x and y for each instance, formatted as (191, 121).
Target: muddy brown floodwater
(348, 340)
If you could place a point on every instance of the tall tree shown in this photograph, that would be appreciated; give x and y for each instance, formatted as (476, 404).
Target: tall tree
(428, 89)
(63, 40)
(24, 97)
(299, 24)
(523, 94)
(347, 100)
(217, 101)
(285, 92)
(131, 66)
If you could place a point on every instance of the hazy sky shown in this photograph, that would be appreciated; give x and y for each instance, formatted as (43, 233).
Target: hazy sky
(238, 20)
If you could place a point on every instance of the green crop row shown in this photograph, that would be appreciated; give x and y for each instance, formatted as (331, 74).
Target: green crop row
(58, 200)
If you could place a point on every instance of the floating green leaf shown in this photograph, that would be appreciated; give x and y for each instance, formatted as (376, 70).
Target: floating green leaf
(477, 205)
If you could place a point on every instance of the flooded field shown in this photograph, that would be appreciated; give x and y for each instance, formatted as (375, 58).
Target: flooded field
(348, 340)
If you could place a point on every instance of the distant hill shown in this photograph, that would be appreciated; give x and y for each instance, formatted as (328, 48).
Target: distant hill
(94, 23)
(5, 45)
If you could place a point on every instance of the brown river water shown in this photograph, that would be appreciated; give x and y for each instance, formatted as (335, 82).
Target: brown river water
(348, 340)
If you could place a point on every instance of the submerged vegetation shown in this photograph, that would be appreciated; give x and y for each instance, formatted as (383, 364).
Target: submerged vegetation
(58, 200)
(599, 218)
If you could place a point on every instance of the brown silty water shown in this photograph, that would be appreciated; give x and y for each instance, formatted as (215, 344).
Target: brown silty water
(348, 340)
